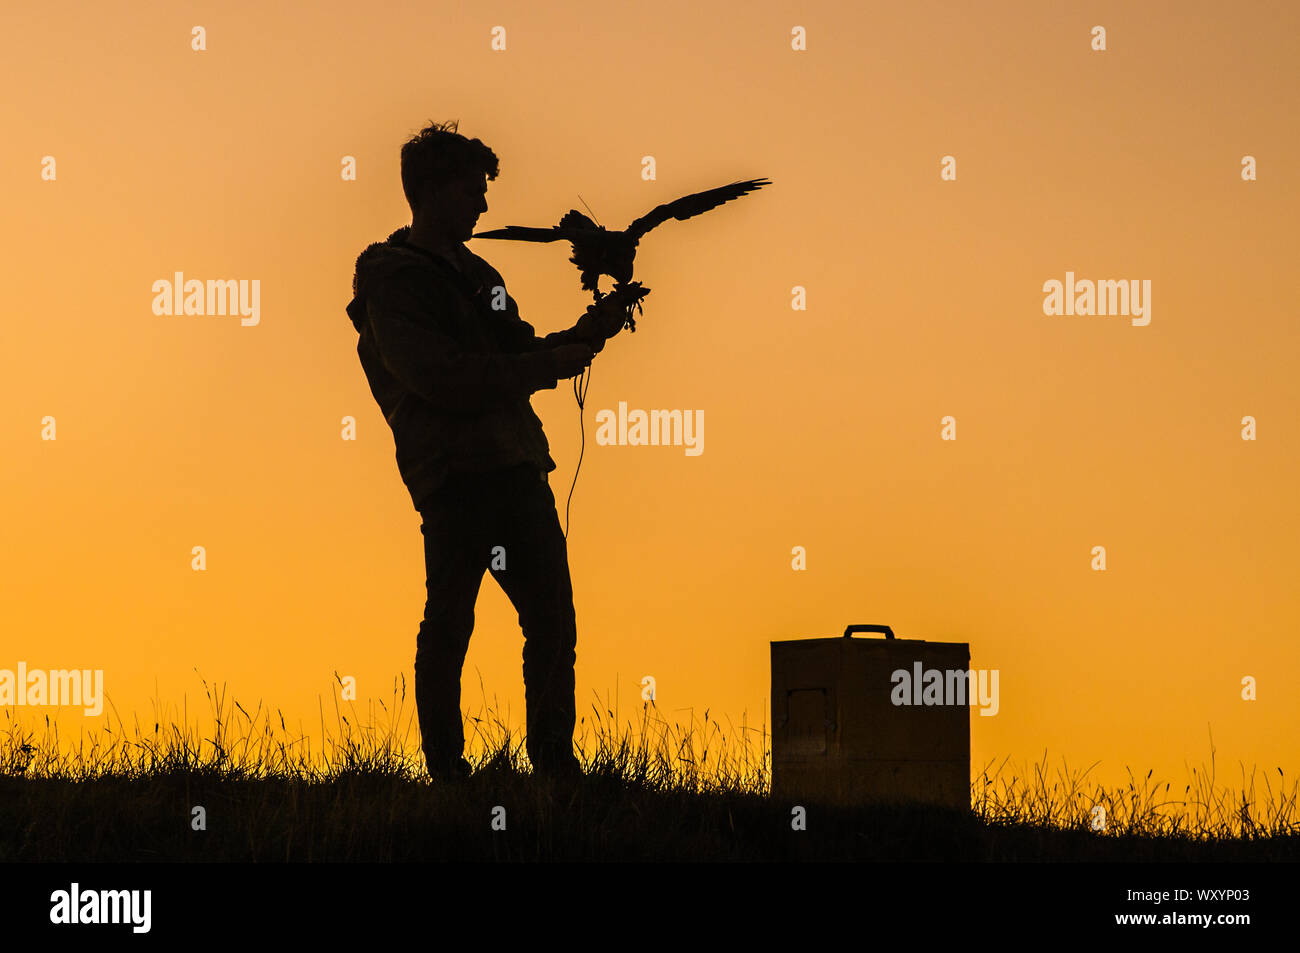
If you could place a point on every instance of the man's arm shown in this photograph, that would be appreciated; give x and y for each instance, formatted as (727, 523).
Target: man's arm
(431, 364)
(592, 329)
(521, 338)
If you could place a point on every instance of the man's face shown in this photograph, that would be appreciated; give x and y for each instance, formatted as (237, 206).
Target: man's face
(457, 204)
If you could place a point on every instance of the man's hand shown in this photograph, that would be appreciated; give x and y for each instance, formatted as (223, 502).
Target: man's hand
(604, 320)
(570, 360)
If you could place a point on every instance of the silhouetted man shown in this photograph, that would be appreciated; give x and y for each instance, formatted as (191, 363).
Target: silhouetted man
(452, 366)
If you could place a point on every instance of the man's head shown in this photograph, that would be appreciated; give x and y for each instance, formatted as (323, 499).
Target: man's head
(444, 176)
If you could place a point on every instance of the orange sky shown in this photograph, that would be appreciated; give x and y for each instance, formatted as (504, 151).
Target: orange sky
(822, 427)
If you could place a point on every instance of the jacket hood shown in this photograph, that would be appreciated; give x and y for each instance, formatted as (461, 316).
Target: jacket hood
(379, 259)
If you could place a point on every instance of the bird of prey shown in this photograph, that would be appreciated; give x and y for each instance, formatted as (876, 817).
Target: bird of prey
(598, 251)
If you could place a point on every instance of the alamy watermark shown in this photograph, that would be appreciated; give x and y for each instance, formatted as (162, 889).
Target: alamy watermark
(219, 296)
(932, 686)
(651, 428)
(1104, 297)
(84, 687)
(75, 905)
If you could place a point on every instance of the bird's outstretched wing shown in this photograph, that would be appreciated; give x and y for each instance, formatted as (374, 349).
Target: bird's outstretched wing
(689, 205)
(522, 233)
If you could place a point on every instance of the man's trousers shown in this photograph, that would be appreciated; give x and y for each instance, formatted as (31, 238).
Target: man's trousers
(503, 521)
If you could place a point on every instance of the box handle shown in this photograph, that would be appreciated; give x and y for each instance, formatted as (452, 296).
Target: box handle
(885, 630)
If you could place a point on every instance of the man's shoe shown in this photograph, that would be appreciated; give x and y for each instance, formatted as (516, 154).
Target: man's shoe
(563, 769)
(452, 771)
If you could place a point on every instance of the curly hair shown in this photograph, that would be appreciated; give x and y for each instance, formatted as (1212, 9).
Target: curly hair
(438, 153)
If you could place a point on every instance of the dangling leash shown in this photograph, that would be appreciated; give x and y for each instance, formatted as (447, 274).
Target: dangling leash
(583, 381)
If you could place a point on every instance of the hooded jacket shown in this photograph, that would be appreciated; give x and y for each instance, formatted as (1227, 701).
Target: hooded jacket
(452, 374)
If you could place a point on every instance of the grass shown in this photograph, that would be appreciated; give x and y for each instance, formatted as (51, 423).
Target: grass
(653, 791)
